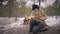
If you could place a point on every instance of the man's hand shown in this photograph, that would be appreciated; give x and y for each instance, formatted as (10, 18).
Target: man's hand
(32, 16)
(43, 18)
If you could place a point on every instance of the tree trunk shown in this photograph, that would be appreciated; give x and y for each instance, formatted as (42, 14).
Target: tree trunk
(39, 3)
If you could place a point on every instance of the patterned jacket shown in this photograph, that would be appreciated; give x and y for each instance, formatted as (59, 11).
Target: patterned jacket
(39, 16)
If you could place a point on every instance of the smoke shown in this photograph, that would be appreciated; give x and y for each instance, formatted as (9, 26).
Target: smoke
(5, 2)
(47, 3)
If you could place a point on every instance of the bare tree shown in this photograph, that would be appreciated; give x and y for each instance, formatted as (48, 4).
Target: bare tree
(34, 1)
(39, 2)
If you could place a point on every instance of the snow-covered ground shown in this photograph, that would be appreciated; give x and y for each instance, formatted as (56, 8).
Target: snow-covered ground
(49, 21)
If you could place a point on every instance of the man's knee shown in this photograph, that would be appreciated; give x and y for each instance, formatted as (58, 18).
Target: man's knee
(32, 21)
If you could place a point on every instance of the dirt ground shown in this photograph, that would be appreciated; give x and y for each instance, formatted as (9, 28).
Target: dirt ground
(25, 30)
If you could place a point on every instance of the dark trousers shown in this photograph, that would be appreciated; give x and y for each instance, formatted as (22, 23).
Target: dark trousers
(38, 24)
